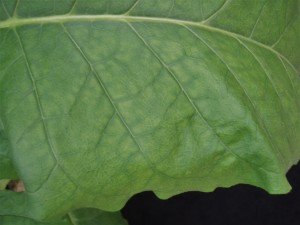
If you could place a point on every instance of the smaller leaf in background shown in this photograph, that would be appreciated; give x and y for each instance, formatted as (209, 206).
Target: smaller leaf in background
(3, 184)
(85, 216)
(91, 216)
(7, 171)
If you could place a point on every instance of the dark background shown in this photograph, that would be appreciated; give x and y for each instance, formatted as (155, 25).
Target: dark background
(238, 205)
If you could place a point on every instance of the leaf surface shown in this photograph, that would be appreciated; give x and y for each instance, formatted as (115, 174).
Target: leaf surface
(104, 99)
(86, 216)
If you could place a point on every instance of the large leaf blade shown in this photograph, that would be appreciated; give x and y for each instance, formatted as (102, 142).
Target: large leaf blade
(111, 105)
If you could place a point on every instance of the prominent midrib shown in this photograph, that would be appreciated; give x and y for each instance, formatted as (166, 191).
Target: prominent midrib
(14, 22)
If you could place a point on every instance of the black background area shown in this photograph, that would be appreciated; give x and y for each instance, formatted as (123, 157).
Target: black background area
(240, 204)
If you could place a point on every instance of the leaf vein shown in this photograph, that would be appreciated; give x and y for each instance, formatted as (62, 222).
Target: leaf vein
(223, 6)
(16, 8)
(131, 7)
(101, 83)
(190, 100)
(14, 22)
(246, 94)
(258, 18)
(268, 76)
(41, 112)
(290, 79)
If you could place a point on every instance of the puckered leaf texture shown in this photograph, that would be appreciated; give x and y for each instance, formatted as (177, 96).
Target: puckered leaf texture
(100, 100)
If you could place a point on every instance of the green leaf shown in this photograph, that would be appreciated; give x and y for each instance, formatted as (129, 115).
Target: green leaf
(7, 169)
(95, 217)
(87, 216)
(103, 99)
(14, 220)
(3, 183)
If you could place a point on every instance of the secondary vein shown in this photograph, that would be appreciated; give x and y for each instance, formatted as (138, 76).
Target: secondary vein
(15, 22)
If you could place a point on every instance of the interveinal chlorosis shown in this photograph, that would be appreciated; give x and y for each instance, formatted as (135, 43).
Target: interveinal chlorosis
(100, 100)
